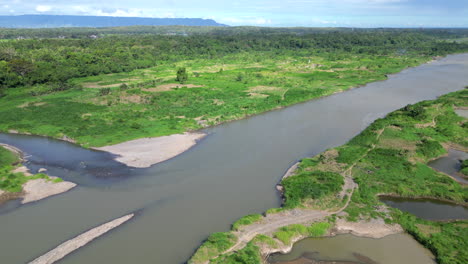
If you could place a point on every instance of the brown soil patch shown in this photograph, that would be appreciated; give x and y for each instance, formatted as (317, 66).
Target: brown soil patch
(31, 104)
(170, 86)
(218, 102)
(428, 230)
(136, 99)
(262, 88)
(97, 85)
(328, 162)
(396, 143)
(129, 79)
(258, 95)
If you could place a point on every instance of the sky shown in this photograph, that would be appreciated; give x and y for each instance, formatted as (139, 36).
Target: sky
(316, 13)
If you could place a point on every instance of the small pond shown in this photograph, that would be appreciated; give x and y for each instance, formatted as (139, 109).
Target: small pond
(427, 208)
(341, 249)
(451, 164)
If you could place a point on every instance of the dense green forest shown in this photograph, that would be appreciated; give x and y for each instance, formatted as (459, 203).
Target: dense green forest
(121, 84)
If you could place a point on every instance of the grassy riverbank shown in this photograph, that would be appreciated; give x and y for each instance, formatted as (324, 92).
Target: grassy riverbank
(11, 181)
(389, 157)
(118, 88)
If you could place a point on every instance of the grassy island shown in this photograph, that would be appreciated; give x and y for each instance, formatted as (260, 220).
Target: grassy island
(343, 185)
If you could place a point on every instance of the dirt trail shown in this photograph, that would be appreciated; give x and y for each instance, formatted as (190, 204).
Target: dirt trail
(272, 222)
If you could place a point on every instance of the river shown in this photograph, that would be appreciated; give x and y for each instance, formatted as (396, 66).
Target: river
(230, 173)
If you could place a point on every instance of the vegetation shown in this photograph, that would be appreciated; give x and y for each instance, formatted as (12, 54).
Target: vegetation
(310, 185)
(287, 233)
(446, 240)
(246, 220)
(464, 167)
(7, 158)
(250, 254)
(11, 181)
(388, 158)
(119, 87)
(216, 244)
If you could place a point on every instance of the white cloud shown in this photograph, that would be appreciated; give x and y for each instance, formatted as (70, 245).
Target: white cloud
(245, 21)
(122, 12)
(43, 8)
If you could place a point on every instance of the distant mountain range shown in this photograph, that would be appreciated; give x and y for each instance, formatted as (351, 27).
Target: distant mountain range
(54, 21)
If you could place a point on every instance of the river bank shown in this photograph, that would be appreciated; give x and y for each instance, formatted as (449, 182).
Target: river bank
(389, 149)
(142, 152)
(35, 187)
(145, 152)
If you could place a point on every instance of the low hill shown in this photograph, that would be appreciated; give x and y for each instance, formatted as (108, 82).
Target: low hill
(54, 21)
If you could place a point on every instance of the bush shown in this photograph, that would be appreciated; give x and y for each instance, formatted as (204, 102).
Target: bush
(104, 91)
(182, 75)
(314, 185)
(250, 254)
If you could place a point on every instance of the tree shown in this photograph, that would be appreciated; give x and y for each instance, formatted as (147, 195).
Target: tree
(182, 75)
(21, 67)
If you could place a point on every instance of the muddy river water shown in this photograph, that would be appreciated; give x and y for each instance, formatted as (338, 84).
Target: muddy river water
(230, 173)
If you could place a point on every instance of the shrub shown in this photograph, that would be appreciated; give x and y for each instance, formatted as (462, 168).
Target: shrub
(314, 185)
(104, 91)
(182, 75)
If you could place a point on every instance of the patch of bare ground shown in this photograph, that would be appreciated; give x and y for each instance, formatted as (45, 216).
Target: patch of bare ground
(262, 88)
(258, 95)
(451, 145)
(397, 143)
(31, 104)
(35, 190)
(97, 85)
(373, 228)
(132, 98)
(428, 229)
(328, 162)
(170, 86)
(218, 102)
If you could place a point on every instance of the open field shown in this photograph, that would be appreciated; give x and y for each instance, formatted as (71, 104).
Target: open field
(118, 107)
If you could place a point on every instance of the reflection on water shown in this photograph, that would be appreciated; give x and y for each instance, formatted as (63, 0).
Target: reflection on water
(347, 249)
(451, 164)
(428, 209)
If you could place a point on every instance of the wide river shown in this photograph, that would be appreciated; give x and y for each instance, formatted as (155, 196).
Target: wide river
(231, 173)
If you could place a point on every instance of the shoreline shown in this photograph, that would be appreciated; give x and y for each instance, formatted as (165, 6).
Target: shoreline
(374, 229)
(34, 189)
(145, 152)
(139, 156)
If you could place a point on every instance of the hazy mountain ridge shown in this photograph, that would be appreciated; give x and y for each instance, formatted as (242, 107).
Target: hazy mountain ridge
(53, 21)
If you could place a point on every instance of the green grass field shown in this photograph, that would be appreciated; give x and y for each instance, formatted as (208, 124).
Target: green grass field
(152, 103)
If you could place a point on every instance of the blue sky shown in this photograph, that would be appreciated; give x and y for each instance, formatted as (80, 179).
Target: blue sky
(322, 13)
